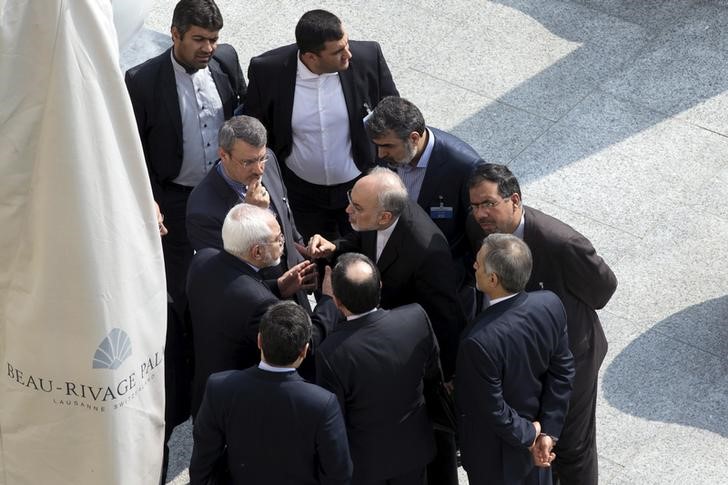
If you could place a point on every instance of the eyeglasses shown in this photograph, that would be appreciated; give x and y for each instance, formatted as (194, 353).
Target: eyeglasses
(488, 204)
(356, 207)
(279, 240)
(247, 163)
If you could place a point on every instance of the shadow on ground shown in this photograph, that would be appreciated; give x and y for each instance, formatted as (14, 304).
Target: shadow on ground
(677, 371)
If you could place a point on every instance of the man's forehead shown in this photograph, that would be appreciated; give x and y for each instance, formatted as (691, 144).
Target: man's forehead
(197, 31)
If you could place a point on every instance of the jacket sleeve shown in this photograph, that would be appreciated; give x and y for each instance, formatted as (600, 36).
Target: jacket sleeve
(481, 379)
(558, 382)
(253, 102)
(386, 82)
(209, 437)
(332, 447)
(203, 231)
(327, 378)
(587, 275)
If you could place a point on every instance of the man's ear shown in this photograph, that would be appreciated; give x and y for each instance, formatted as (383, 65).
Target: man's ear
(385, 217)
(260, 345)
(175, 33)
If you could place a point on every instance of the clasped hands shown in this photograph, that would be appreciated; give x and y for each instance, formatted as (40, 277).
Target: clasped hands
(542, 448)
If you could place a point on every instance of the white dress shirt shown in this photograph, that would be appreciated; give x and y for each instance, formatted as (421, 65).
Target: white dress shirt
(321, 152)
(383, 237)
(202, 115)
(266, 366)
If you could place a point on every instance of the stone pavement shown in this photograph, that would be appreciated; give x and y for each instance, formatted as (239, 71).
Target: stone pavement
(614, 116)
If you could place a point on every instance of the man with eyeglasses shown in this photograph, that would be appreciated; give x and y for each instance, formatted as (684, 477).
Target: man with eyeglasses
(228, 294)
(416, 266)
(566, 263)
(246, 172)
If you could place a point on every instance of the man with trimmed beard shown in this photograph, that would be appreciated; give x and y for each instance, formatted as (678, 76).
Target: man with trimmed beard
(228, 295)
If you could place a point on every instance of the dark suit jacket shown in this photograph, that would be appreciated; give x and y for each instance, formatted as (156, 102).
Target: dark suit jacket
(446, 180)
(416, 267)
(566, 263)
(375, 365)
(272, 77)
(277, 429)
(227, 299)
(153, 92)
(514, 367)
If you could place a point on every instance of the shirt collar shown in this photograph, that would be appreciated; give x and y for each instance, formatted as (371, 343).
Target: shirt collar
(180, 68)
(359, 315)
(519, 229)
(388, 231)
(502, 298)
(266, 366)
(239, 188)
(425, 158)
(304, 72)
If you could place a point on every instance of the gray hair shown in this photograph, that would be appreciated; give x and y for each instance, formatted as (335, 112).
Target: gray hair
(245, 226)
(245, 128)
(392, 194)
(509, 258)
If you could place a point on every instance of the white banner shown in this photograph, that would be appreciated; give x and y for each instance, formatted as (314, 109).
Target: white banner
(82, 295)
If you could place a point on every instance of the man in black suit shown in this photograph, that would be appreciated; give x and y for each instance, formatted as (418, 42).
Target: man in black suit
(265, 423)
(247, 172)
(228, 295)
(180, 100)
(414, 260)
(566, 263)
(312, 97)
(380, 391)
(435, 167)
(514, 372)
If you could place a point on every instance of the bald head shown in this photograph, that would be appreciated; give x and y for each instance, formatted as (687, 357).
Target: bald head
(376, 200)
(356, 283)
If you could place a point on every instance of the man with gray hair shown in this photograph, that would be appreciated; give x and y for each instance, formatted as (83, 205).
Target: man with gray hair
(414, 260)
(228, 294)
(514, 372)
(246, 172)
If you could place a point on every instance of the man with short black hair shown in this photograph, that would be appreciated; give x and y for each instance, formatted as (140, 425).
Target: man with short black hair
(514, 372)
(565, 262)
(312, 97)
(266, 424)
(435, 167)
(380, 392)
(180, 100)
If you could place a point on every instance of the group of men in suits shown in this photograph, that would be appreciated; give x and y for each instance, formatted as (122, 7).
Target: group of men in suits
(329, 111)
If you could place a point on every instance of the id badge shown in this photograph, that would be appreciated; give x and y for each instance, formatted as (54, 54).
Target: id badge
(441, 212)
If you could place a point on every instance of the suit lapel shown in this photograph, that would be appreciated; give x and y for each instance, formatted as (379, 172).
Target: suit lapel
(390, 253)
(285, 93)
(434, 175)
(169, 94)
(347, 86)
(223, 87)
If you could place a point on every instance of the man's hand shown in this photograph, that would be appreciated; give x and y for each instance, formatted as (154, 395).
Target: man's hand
(160, 220)
(542, 453)
(300, 277)
(326, 287)
(320, 247)
(257, 195)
